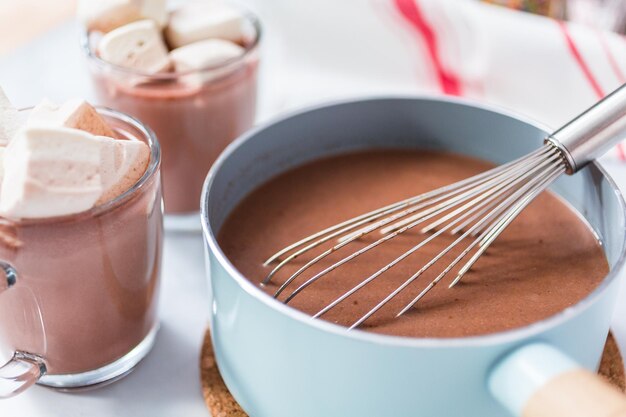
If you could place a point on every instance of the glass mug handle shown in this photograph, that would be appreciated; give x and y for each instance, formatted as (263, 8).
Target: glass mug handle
(24, 369)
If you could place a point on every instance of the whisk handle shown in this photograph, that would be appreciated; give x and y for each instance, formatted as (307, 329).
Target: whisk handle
(593, 132)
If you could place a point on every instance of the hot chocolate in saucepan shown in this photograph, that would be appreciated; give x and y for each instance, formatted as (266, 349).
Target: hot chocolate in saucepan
(547, 260)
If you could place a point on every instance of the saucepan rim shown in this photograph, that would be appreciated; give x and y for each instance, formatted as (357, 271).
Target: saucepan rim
(502, 337)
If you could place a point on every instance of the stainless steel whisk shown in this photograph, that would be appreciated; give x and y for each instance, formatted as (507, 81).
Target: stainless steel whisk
(477, 209)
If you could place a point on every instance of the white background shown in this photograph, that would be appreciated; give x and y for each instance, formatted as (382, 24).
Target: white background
(167, 382)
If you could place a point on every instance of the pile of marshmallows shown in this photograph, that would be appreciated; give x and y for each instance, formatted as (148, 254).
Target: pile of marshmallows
(62, 160)
(137, 34)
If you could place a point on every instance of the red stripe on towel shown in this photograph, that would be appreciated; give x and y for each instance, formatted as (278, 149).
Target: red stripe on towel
(621, 153)
(449, 82)
(579, 59)
(611, 58)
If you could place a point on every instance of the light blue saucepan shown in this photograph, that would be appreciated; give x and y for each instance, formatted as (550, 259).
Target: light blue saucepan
(278, 362)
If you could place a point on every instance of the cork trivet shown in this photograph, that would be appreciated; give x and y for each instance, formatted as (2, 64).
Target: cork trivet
(222, 404)
(612, 364)
(216, 395)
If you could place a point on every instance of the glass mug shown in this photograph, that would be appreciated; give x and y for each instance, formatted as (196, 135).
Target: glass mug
(195, 114)
(78, 299)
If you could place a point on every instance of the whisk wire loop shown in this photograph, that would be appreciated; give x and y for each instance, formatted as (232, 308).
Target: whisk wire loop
(478, 209)
(463, 211)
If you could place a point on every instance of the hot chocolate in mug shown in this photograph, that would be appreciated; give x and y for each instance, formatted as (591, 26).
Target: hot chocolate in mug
(78, 296)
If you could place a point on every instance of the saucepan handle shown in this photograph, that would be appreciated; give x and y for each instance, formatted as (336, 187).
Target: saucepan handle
(539, 380)
(24, 369)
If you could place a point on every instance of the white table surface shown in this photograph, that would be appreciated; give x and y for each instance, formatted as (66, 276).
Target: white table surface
(167, 382)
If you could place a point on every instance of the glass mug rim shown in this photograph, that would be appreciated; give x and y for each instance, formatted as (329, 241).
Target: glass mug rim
(168, 76)
(148, 175)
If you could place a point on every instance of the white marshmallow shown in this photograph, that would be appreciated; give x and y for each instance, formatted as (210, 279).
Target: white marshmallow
(198, 21)
(138, 45)
(205, 54)
(106, 15)
(55, 171)
(127, 165)
(76, 114)
(50, 172)
(155, 10)
(9, 119)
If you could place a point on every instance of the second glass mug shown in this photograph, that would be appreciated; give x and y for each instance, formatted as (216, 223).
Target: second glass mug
(195, 114)
(78, 298)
